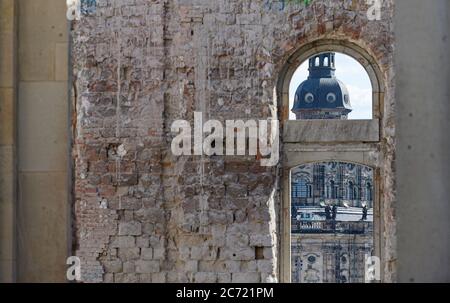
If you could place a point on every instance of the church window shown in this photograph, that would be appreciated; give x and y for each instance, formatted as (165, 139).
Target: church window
(300, 188)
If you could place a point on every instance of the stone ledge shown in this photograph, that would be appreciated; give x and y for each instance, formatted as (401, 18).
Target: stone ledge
(331, 131)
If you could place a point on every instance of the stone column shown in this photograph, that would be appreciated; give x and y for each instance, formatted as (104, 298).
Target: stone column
(8, 29)
(423, 162)
(43, 115)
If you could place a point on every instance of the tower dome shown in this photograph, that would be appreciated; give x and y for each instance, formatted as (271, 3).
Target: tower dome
(322, 95)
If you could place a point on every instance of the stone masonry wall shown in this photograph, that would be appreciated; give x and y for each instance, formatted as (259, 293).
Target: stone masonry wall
(142, 214)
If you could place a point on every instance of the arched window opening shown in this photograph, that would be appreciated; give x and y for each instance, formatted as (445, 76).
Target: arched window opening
(329, 194)
(300, 189)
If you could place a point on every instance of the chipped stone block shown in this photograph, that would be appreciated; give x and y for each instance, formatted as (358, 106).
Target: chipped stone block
(130, 229)
(123, 242)
(205, 277)
(261, 240)
(129, 267)
(126, 254)
(147, 267)
(184, 253)
(266, 266)
(224, 277)
(159, 253)
(249, 266)
(112, 266)
(249, 277)
(268, 278)
(145, 278)
(191, 266)
(126, 278)
(142, 242)
(147, 253)
(108, 278)
(239, 254)
(159, 277)
(232, 266)
(237, 240)
(268, 253)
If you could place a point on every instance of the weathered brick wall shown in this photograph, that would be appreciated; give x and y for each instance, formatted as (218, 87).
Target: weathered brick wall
(142, 214)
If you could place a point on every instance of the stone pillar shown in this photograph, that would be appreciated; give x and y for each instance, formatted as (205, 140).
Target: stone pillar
(43, 192)
(8, 29)
(423, 174)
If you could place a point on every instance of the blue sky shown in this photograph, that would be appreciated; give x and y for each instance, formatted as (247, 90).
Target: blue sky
(355, 77)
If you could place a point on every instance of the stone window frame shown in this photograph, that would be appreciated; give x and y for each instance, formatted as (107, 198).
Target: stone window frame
(299, 150)
(341, 46)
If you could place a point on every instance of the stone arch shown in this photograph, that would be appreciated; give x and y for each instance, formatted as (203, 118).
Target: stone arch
(378, 74)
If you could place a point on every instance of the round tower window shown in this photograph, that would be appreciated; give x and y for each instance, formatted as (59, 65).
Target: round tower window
(331, 97)
(309, 98)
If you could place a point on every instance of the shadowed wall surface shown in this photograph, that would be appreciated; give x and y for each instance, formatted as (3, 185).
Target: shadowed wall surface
(423, 175)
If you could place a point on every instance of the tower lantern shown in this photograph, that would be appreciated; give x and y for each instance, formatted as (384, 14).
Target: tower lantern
(322, 95)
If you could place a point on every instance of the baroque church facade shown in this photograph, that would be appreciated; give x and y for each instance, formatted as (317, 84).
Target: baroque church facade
(332, 182)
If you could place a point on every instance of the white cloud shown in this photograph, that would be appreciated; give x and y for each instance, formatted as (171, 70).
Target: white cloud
(361, 101)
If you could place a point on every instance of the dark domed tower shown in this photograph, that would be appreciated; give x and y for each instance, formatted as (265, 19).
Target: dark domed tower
(322, 95)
